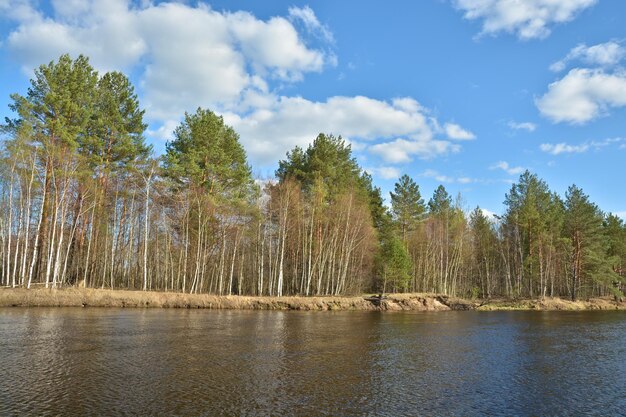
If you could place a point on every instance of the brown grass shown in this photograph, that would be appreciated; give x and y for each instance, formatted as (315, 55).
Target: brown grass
(81, 297)
(554, 304)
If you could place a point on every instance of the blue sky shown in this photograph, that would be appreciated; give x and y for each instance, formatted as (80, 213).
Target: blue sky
(466, 93)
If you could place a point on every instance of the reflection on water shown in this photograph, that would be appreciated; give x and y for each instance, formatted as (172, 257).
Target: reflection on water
(181, 362)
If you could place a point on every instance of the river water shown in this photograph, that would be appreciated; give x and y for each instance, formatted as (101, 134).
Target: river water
(69, 362)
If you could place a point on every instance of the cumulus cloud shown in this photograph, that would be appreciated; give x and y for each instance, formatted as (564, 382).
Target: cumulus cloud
(187, 55)
(284, 122)
(561, 148)
(105, 31)
(528, 126)
(583, 95)
(527, 19)
(511, 170)
(456, 132)
(603, 55)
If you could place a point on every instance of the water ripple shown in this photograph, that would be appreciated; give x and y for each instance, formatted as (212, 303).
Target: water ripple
(172, 362)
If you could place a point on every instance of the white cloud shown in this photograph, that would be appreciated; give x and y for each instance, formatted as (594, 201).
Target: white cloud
(531, 127)
(277, 124)
(527, 19)
(583, 95)
(307, 17)
(431, 173)
(503, 165)
(560, 148)
(284, 122)
(608, 142)
(403, 150)
(603, 54)
(187, 56)
(384, 172)
(492, 216)
(620, 214)
(165, 132)
(274, 45)
(454, 131)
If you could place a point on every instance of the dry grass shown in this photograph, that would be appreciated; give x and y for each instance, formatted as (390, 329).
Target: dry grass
(554, 304)
(81, 297)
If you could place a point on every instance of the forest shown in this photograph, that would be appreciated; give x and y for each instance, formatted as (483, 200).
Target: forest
(84, 201)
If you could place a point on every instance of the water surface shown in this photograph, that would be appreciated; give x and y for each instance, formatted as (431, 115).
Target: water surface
(179, 362)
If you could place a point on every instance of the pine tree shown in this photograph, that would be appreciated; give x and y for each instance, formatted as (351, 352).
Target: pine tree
(440, 203)
(407, 205)
(396, 266)
(615, 232)
(207, 153)
(527, 203)
(483, 240)
(588, 246)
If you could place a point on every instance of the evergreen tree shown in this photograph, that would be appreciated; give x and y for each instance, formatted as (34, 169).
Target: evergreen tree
(615, 232)
(407, 205)
(116, 135)
(328, 159)
(328, 168)
(584, 228)
(59, 104)
(484, 244)
(440, 203)
(528, 202)
(206, 153)
(395, 265)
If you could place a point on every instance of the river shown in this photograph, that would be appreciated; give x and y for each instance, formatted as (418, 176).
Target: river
(72, 361)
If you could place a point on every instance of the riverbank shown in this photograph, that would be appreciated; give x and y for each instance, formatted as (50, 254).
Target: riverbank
(88, 297)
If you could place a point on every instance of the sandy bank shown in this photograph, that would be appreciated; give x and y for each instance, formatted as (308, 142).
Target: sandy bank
(79, 297)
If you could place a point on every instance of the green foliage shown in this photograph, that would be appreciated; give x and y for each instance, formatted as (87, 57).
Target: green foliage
(69, 107)
(328, 168)
(407, 205)
(440, 203)
(395, 264)
(528, 203)
(118, 124)
(60, 102)
(328, 159)
(584, 226)
(615, 232)
(206, 153)
(380, 215)
(77, 181)
(475, 292)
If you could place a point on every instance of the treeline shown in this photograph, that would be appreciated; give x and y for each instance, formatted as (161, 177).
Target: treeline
(84, 201)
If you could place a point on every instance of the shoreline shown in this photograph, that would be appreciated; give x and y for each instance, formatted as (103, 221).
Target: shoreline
(89, 297)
